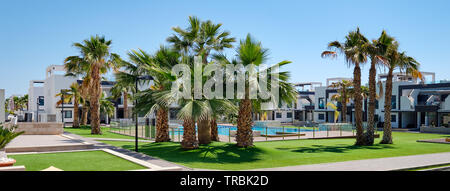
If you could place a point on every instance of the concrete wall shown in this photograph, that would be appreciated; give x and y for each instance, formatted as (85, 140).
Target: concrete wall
(2, 105)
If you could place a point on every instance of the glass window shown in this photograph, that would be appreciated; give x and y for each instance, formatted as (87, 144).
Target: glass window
(394, 102)
(67, 114)
(321, 103)
(278, 115)
(393, 118)
(289, 115)
(41, 100)
(376, 104)
(321, 116)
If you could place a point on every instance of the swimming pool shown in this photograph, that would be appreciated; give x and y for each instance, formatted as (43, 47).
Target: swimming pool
(225, 130)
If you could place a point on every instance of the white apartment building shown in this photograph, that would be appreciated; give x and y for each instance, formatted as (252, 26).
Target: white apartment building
(42, 97)
(2, 106)
(416, 104)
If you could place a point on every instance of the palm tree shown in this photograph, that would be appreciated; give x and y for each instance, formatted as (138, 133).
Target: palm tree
(251, 52)
(375, 49)
(106, 106)
(343, 97)
(73, 94)
(96, 52)
(158, 66)
(200, 39)
(354, 51)
(395, 60)
(77, 66)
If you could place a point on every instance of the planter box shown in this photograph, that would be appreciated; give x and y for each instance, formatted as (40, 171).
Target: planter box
(441, 130)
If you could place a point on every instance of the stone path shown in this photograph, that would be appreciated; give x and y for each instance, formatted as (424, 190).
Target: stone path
(381, 164)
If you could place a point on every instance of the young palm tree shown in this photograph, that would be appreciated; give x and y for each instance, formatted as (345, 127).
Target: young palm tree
(375, 49)
(96, 52)
(343, 97)
(251, 52)
(73, 94)
(395, 60)
(106, 106)
(354, 51)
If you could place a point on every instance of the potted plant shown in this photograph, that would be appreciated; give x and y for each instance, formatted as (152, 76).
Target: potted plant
(6, 136)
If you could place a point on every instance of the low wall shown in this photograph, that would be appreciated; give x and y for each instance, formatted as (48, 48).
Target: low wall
(442, 130)
(50, 128)
(268, 123)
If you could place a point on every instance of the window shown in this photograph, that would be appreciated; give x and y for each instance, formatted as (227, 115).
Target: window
(289, 115)
(41, 100)
(321, 103)
(67, 114)
(393, 118)
(321, 116)
(376, 104)
(394, 102)
(278, 115)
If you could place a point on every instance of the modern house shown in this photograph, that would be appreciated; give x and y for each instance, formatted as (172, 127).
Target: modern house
(43, 100)
(2, 106)
(415, 103)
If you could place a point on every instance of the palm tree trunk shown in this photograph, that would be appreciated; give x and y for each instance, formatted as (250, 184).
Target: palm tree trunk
(95, 94)
(189, 137)
(125, 105)
(372, 97)
(214, 130)
(162, 125)
(204, 131)
(84, 115)
(76, 120)
(358, 105)
(244, 135)
(387, 130)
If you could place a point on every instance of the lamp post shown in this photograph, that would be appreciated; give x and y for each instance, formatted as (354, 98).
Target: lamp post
(37, 110)
(146, 77)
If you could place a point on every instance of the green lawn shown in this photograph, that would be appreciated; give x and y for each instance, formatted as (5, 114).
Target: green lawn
(226, 156)
(85, 131)
(75, 161)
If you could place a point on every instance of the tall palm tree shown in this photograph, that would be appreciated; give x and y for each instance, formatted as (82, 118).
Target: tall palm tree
(96, 52)
(375, 49)
(343, 97)
(354, 51)
(251, 52)
(395, 60)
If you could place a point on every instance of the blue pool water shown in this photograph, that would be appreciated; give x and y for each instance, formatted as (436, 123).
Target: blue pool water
(225, 130)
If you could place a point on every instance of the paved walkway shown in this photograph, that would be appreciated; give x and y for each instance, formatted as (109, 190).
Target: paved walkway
(381, 164)
(149, 159)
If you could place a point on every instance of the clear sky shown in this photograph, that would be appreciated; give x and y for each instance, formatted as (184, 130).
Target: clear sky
(35, 34)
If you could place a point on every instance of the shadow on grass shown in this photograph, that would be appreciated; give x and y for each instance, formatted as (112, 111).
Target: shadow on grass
(339, 148)
(212, 153)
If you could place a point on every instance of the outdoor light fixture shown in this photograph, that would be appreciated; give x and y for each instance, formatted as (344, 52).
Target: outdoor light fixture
(146, 77)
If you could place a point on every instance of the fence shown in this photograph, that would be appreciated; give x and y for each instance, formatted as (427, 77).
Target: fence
(228, 133)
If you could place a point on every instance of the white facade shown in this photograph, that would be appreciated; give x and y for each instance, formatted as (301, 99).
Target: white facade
(2, 106)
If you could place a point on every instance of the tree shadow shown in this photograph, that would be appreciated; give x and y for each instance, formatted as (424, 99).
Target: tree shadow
(339, 148)
(212, 153)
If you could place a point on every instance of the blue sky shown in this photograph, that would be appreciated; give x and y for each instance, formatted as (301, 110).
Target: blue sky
(35, 34)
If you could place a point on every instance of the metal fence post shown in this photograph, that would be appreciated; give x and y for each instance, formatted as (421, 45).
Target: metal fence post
(266, 133)
(298, 132)
(328, 131)
(314, 132)
(340, 130)
(283, 132)
(229, 134)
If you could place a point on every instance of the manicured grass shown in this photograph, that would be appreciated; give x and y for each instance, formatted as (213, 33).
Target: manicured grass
(85, 131)
(75, 161)
(227, 156)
